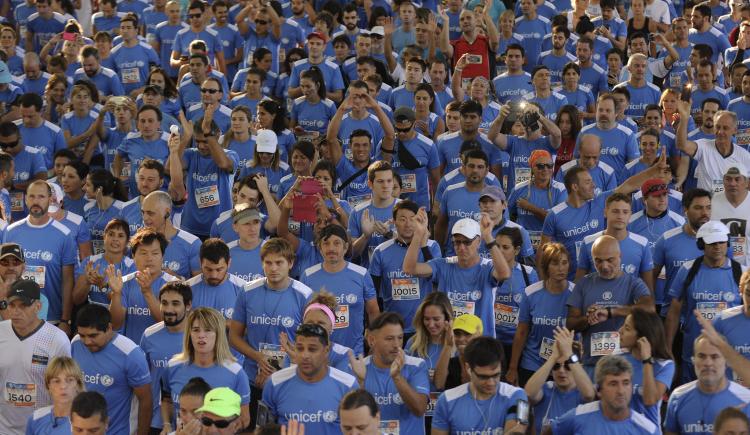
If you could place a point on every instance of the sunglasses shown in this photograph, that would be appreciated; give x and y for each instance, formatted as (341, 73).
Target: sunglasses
(542, 166)
(11, 262)
(261, 22)
(457, 242)
(558, 365)
(494, 376)
(403, 130)
(6, 145)
(220, 424)
(209, 91)
(194, 15)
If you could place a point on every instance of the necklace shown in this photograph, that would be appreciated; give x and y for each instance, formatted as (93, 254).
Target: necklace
(485, 418)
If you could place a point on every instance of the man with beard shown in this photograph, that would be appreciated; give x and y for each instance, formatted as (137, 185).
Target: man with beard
(686, 169)
(211, 107)
(612, 413)
(704, 32)
(461, 200)
(28, 164)
(163, 340)
(50, 253)
(310, 389)
(350, 20)
(106, 80)
(559, 56)
(215, 287)
(34, 129)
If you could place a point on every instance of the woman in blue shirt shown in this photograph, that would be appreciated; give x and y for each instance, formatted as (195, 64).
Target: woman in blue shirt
(253, 91)
(112, 137)
(577, 95)
(79, 125)
(312, 111)
(63, 380)
(72, 181)
(266, 160)
(542, 309)
(107, 195)
(270, 116)
(54, 98)
(205, 354)
(325, 173)
(171, 103)
(237, 138)
(428, 123)
(432, 324)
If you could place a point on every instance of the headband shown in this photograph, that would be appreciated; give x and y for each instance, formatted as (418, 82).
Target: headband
(323, 308)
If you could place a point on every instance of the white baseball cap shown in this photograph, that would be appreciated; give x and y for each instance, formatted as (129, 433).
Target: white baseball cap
(466, 227)
(55, 202)
(713, 232)
(266, 141)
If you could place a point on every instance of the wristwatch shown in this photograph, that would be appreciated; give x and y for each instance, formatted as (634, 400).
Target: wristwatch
(573, 359)
(649, 360)
(491, 244)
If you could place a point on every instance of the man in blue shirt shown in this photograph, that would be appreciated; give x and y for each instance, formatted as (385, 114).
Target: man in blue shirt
(556, 58)
(107, 82)
(513, 84)
(132, 58)
(88, 413)
(215, 287)
(601, 301)
(115, 367)
(309, 391)
(229, 35)
(532, 27)
(612, 413)
(148, 142)
(642, 93)
(589, 158)
(164, 36)
(400, 383)
(472, 407)
(163, 340)
(707, 285)
(331, 73)
(197, 30)
(35, 130)
(593, 77)
(42, 26)
(704, 32)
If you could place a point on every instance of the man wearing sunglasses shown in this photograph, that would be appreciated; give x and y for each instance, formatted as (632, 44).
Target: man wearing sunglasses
(28, 164)
(589, 152)
(190, 84)
(197, 19)
(211, 107)
(310, 391)
(484, 404)
(220, 412)
(12, 268)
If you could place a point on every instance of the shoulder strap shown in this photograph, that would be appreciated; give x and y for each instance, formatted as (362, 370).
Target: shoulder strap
(525, 275)
(736, 271)
(691, 274)
(354, 176)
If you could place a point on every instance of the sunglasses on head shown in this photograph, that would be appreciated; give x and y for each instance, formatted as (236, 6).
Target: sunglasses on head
(220, 424)
(311, 328)
(209, 91)
(558, 365)
(542, 166)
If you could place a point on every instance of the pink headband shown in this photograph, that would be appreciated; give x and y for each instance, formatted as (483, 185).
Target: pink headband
(322, 308)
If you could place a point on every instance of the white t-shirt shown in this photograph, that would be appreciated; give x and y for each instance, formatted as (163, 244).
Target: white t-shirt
(22, 367)
(737, 221)
(712, 165)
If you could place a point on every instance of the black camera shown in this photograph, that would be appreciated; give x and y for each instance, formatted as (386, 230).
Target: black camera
(530, 120)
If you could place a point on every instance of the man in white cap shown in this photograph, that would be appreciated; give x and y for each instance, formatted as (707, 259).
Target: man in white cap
(74, 222)
(708, 284)
(467, 278)
(732, 207)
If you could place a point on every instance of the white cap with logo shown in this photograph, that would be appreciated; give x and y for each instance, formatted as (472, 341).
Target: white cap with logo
(466, 227)
(713, 232)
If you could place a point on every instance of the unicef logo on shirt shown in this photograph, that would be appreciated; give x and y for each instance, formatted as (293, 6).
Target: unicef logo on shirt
(729, 296)
(229, 312)
(107, 380)
(329, 416)
(173, 266)
(517, 298)
(537, 35)
(351, 298)
(285, 40)
(397, 399)
(287, 322)
(475, 295)
(319, 124)
(614, 151)
(630, 269)
(22, 176)
(225, 43)
(214, 177)
(140, 64)
(46, 256)
(607, 295)
(595, 223)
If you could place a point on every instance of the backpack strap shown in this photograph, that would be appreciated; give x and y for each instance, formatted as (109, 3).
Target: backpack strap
(691, 275)
(525, 275)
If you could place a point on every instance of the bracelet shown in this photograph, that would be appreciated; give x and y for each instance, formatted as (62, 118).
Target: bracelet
(609, 312)
(386, 151)
(491, 245)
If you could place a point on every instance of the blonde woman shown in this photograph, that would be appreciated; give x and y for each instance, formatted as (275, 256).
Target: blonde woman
(63, 380)
(205, 354)
(432, 325)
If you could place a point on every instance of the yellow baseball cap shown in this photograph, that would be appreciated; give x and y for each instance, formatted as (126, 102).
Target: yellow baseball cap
(222, 402)
(468, 323)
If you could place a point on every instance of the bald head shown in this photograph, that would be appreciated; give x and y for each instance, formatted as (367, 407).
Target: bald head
(606, 254)
(589, 151)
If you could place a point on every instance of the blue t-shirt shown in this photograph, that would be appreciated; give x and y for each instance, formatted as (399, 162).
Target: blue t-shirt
(533, 32)
(458, 412)
(133, 64)
(246, 264)
(689, 410)
(551, 104)
(222, 116)
(449, 147)
(508, 297)
(182, 254)
(135, 149)
(594, 78)
(714, 38)
(470, 290)
(635, 254)
(589, 419)
(733, 324)
(663, 373)
(185, 36)
(673, 249)
(331, 74)
(76, 126)
(619, 146)
(457, 203)
(96, 294)
(106, 81)
(165, 34)
(137, 313)
(542, 310)
(542, 198)
(159, 345)
(44, 422)
(353, 287)
(401, 292)
(316, 404)
(554, 404)
(520, 149)
(266, 313)
(711, 291)
(313, 117)
(393, 411)
(415, 182)
(349, 124)
(602, 338)
(512, 87)
(222, 297)
(44, 29)
(114, 371)
(97, 219)
(48, 138)
(48, 249)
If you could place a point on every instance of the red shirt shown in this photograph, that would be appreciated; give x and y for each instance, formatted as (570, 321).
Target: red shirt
(480, 47)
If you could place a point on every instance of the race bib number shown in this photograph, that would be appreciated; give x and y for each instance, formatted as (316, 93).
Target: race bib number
(35, 273)
(389, 427)
(404, 289)
(431, 375)
(522, 174)
(431, 405)
(20, 395)
(505, 315)
(579, 244)
(207, 196)
(273, 353)
(545, 347)
(408, 183)
(675, 81)
(358, 199)
(126, 169)
(717, 186)
(131, 76)
(743, 137)
(605, 343)
(709, 310)
(536, 239)
(98, 246)
(342, 317)
(294, 227)
(16, 201)
(738, 244)
(462, 307)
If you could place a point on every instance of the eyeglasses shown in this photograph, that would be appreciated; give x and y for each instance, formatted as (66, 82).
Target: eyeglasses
(494, 376)
(404, 130)
(261, 22)
(209, 91)
(220, 424)
(558, 365)
(312, 329)
(194, 15)
(542, 166)
(458, 242)
(6, 145)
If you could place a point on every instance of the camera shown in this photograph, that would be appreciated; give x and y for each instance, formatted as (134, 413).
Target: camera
(530, 120)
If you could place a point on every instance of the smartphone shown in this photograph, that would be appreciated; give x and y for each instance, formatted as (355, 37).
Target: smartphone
(687, 90)
(69, 36)
(118, 100)
(473, 59)
(522, 412)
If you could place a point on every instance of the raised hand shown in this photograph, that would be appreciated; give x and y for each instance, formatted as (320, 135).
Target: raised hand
(397, 364)
(564, 341)
(358, 365)
(367, 223)
(288, 347)
(114, 277)
(644, 348)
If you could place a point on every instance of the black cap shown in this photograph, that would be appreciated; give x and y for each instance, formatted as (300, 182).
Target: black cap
(404, 113)
(153, 89)
(24, 289)
(12, 249)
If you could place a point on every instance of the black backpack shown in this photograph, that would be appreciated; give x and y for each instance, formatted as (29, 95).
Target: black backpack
(736, 272)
